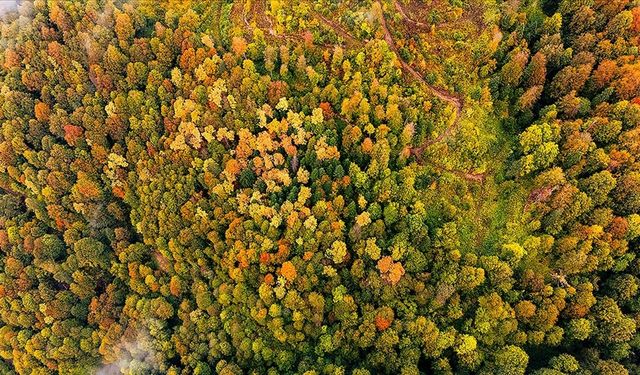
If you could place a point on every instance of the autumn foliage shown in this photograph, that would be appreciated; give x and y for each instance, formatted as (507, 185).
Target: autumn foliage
(320, 187)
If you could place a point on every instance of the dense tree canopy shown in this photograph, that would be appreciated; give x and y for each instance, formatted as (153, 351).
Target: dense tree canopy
(320, 187)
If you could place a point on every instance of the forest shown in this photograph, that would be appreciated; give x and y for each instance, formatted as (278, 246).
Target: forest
(320, 187)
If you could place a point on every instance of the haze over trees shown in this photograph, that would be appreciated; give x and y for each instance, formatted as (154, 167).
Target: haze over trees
(320, 187)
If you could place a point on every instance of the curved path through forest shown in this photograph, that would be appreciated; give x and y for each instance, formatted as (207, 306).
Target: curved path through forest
(409, 19)
(449, 97)
(454, 100)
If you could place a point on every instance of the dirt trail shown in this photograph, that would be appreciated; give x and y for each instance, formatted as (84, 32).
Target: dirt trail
(477, 177)
(440, 93)
(469, 176)
(454, 100)
(409, 19)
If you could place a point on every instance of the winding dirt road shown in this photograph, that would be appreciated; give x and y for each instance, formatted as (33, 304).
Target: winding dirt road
(409, 19)
(451, 98)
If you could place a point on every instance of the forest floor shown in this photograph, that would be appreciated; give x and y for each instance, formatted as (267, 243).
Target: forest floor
(418, 24)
